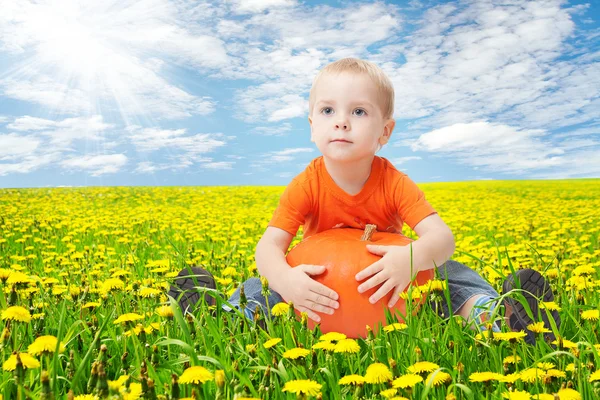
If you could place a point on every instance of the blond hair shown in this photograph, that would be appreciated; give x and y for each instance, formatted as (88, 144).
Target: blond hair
(357, 66)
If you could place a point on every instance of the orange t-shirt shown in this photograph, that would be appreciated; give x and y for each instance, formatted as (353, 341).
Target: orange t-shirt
(388, 199)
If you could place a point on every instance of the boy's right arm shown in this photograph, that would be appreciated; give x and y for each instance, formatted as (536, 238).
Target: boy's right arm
(293, 284)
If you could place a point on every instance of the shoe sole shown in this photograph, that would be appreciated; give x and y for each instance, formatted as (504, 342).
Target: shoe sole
(187, 288)
(534, 287)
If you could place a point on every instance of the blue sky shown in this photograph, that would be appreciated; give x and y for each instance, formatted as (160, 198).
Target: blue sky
(182, 92)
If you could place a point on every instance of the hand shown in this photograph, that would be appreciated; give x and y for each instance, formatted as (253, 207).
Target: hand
(308, 295)
(392, 271)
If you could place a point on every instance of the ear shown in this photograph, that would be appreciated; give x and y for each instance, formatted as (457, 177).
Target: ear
(387, 131)
(311, 130)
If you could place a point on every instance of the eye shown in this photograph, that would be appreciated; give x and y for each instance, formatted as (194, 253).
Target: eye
(324, 110)
(362, 112)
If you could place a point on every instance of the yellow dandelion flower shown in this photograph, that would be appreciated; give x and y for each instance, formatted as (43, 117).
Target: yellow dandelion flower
(86, 397)
(271, 342)
(570, 367)
(485, 376)
(324, 345)
(595, 376)
(91, 304)
(352, 380)
(17, 277)
(568, 394)
(530, 375)
(303, 386)
(117, 384)
(545, 365)
(4, 274)
(564, 343)
(388, 393)
(280, 309)
(333, 336)
(150, 292)
(113, 284)
(395, 327)
(16, 313)
(510, 336)
(517, 395)
(295, 353)
(510, 378)
(347, 346)
(28, 361)
(543, 396)
(195, 375)
(134, 392)
(438, 378)
(551, 305)
(555, 373)
(538, 327)
(422, 366)
(45, 345)
(378, 373)
(165, 311)
(511, 359)
(591, 315)
(129, 317)
(407, 381)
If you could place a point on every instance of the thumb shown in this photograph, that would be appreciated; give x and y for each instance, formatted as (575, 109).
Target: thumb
(314, 269)
(379, 250)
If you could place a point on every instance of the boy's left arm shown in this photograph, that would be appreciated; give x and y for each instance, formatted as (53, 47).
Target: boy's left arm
(434, 247)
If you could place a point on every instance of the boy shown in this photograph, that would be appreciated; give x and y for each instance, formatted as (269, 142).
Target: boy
(351, 105)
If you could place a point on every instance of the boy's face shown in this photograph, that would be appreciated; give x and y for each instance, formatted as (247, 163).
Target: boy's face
(347, 107)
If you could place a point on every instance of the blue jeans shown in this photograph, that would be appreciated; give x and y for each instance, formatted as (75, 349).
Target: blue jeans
(463, 283)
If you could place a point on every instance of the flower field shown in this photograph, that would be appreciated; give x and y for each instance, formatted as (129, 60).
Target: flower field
(84, 313)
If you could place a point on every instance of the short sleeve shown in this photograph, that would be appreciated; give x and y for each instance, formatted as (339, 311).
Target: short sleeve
(294, 206)
(411, 203)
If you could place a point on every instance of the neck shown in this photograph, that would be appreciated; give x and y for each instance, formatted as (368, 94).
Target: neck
(349, 176)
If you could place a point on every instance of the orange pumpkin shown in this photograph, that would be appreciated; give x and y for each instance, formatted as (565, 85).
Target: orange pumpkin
(343, 252)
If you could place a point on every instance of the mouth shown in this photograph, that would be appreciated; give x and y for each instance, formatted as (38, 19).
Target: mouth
(341, 140)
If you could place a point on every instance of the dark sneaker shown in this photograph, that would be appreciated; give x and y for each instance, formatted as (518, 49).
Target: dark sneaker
(188, 286)
(534, 287)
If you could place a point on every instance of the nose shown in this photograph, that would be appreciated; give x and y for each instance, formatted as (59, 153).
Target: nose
(342, 123)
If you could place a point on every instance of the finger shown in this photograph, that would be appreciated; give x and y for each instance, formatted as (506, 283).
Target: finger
(378, 249)
(370, 270)
(395, 295)
(318, 307)
(324, 301)
(314, 269)
(381, 292)
(311, 314)
(371, 283)
(323, 290)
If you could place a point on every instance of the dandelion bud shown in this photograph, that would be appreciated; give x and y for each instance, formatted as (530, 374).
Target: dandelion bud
(46, 390)
(220, 378)
(175, 392)
(93, 377)
(102, 386)
(243, 299)
(151, 393)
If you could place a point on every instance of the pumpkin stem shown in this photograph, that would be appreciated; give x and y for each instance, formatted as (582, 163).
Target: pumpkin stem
(369, 230)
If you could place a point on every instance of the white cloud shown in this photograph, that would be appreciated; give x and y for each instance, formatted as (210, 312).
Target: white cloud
(96, 164)
(279, 156)
(64, 132)
(83, 55)
(15, 146)
(3, 119)
(29, 163)
(403, 160)
(257, 6)
(494, 147)
(152, 139)
(219, 165)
